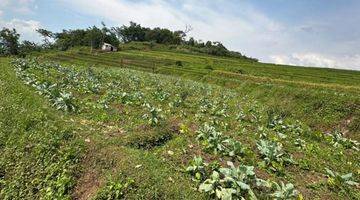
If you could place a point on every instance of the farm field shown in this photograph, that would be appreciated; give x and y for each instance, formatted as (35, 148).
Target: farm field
(156, 123)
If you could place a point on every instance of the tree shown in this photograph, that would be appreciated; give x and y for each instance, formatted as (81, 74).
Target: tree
(46, 35)
(26, 47)
(9, 42)
(191, 41)
(95, 36)
(133, 32)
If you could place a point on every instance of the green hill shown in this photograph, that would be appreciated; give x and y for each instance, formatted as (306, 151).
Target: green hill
(81, 124)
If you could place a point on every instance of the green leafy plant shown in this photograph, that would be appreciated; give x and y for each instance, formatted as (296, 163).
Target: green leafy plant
(64, 101)
(338, 140)
(284, 191)
(336, 180)
(154, 115)
(300, 143)
(230, 183)
(233, 148)
(273, 155)
(211, 139)
(282, 128)
(114, 190)
(197, 168)
(217, 143)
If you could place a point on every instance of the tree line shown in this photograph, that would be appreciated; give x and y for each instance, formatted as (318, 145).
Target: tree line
(95, 36)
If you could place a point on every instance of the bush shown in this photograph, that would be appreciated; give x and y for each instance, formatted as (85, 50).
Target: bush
(209, 67)
(179, 63)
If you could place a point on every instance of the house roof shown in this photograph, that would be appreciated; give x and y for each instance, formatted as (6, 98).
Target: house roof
(107, 44)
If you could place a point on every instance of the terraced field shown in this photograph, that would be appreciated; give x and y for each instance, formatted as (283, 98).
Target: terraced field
(149, 124)
(324, 98)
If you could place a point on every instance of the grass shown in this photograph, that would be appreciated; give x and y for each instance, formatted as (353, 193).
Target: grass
(323, 98)
(39, 150)
(134, 130)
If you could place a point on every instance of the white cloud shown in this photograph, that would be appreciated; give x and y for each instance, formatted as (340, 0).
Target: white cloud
(319, 60)
(23, 7)
(26, 28)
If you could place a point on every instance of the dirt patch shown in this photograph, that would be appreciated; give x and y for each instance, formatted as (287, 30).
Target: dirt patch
(89, 180)
(344, 126)
(304, 179)
(262, 174)
(87, 185)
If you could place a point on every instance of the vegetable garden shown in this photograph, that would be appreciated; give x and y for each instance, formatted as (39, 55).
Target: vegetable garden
(210, 143)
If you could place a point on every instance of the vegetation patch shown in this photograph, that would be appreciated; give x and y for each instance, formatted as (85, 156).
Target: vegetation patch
(149, 140)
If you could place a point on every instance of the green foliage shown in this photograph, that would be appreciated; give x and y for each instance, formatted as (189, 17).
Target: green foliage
(273, 155)
(135, 32)
(9, 42)
(231, 183)
(40, 152)
(46, 34)
(337, 181)
(93, 37)
(63, 101)
(215, 142)
(111, 101)
(283, 129)
(238, 183)
(197, 168)
(58, 96)
(154, 117)
(284, 192)
(337, 140)
(114, 190)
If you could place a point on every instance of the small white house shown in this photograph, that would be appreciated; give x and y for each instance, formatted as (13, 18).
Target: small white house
(108, 47)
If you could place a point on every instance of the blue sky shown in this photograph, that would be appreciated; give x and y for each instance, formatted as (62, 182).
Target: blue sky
(324, 33)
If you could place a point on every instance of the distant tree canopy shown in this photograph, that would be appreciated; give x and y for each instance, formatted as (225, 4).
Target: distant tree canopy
(94, 37)
(136, 33)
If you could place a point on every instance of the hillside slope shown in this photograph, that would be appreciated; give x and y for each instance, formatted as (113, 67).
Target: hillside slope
(97, 130)
(325, 99)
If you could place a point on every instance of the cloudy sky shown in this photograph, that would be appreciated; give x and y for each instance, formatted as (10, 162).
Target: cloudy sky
(323, 33)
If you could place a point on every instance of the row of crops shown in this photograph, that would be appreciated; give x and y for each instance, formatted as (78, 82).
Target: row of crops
(246, 150)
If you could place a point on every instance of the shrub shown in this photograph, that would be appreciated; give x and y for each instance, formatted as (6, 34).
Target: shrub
(179, 63)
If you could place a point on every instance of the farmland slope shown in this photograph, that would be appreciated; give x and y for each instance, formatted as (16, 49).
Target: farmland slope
(128, 125)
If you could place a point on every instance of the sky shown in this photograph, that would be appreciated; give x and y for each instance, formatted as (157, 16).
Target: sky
(318, 33)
